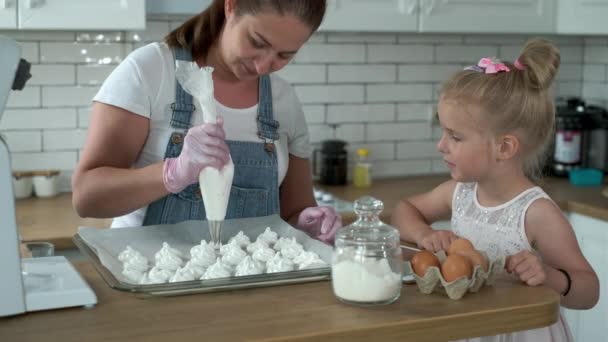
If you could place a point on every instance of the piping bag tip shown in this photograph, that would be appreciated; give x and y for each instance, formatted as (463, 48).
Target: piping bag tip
(215, 229)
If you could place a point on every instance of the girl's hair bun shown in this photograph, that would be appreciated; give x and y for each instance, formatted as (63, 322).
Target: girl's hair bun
(540, 60)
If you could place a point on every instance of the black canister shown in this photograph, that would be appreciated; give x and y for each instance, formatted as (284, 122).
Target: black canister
(332, 164)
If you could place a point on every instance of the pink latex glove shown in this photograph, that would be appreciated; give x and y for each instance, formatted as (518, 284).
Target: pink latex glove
(204, 146)
(320, 222)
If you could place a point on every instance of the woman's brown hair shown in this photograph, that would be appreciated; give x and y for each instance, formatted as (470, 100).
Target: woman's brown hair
(519, 101)
(202, 30)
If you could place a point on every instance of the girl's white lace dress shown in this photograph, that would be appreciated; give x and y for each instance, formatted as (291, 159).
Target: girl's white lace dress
(500, 231)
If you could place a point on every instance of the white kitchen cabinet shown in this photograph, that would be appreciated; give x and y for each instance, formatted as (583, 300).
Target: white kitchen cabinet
(458, 16)
(366, 15)
(487, 16)
(81, 15)
(8, 14)
(186, 7)
(582, 16)
(592, 235)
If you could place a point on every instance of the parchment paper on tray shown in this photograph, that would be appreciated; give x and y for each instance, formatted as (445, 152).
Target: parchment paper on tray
(107, 244)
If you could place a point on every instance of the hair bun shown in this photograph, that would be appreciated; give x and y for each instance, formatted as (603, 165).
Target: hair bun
(540, 59)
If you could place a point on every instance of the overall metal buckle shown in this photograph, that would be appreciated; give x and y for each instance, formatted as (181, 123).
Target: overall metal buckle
(268, 144)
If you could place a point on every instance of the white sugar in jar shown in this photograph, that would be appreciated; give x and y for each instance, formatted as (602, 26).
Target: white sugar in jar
(369, 282)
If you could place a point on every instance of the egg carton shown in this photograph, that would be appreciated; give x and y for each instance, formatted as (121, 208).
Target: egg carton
(456, 289)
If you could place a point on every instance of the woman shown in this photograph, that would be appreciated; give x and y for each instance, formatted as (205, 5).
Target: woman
(147, 143)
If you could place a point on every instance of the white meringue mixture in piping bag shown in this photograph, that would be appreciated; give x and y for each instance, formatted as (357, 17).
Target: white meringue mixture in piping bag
(215, 184)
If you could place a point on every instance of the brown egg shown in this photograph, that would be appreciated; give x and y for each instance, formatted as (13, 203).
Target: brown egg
(476, 258)
(456, 266)
(422, 260)
(460, 245)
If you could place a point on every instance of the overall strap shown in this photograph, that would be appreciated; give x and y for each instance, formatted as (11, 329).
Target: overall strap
(182, 107)
(267, 125)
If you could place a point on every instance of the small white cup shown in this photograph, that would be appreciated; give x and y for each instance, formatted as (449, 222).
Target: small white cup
(22, 185)
(40, 249)
(46, 185)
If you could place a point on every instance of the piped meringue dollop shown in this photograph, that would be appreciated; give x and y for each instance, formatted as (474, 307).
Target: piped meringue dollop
(158, 275)
(168, 258)
(280, 243)
(217, 270)
(133, 275)
(279, 264)
(308, 260)
(305, 255)
(196, 270)
(292, 250)
(269, 236)
(129, 253)
(133, 260)
(203, 255)
(182, 274)
(284, 242)
(233, 256)
(251, 248)
(248, 267)
(263, 254)
(145, 280)
(230, 245)
(241, 239)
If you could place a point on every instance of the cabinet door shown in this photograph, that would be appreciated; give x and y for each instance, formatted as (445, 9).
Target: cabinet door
(8, 14)
(487, 16)
(592, 236)
(82, 14)
(189, 7)
(366, 15)
(582, 16)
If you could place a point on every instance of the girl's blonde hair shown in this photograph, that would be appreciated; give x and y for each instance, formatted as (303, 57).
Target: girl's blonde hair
(519, 101)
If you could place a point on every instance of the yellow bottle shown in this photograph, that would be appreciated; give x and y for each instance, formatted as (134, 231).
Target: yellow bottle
(362, 176)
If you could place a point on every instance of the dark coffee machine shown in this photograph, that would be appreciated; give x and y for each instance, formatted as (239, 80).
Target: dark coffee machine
(570, 125)
(595, 144)
(333, 162)
(580, 139)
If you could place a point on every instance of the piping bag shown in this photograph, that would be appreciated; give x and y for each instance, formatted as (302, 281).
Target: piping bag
(215, 184)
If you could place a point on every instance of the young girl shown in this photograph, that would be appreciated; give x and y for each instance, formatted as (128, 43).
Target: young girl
(497, 120)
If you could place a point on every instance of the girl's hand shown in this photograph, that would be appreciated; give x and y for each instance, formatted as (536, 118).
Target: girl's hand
(437, 240)
(528, 267)
(320, 222)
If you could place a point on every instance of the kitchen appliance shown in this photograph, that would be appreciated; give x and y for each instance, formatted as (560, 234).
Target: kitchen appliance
(595, 144)
(333, 162)
(571, 126)
(35, 283)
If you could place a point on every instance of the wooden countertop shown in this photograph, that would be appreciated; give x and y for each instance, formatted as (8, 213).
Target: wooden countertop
(583, 200)
(52, 219)
(302, 312)
(55, 220)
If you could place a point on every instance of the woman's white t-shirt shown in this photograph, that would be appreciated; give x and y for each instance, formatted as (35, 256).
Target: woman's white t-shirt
(144, 84)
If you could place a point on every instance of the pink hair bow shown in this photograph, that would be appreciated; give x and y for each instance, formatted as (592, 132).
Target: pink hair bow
(492, 65)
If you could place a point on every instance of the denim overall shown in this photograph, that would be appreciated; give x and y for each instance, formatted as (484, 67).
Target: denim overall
(255, 190)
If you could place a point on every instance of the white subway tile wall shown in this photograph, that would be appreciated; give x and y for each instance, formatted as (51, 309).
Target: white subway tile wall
(595, 71)
(374, 90)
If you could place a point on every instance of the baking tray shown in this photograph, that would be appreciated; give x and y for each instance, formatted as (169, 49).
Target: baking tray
(102, 246)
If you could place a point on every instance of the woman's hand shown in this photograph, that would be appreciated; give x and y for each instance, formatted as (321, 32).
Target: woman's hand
(528, 267)
(204, 146)
(437, 240)
(320, 222)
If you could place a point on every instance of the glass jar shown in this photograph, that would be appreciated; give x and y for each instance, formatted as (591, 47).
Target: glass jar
(366, 262)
